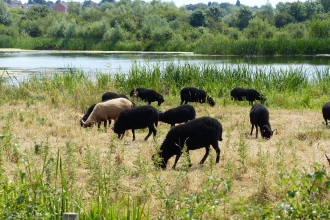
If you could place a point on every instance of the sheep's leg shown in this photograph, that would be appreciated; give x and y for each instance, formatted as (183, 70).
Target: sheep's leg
(186, 102)
(207, 151)
(182, 102)
(133, 134)
(217, 150)
(176, 159)
(256, 131)
(251, 129)
(151, 130)
(105, 125)
(154, 131)
(326, 122)
(99, 125)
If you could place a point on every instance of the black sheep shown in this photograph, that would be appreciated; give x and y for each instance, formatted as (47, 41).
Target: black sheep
(87, 114)
(191, 94)
(195, 134)
(250, 95)
(259, 116)
(137, 118)
(180, 114)
(147, 95)
(111, 95)
(326, 112)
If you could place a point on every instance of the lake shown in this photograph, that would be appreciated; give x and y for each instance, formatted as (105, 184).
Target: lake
(23, 64)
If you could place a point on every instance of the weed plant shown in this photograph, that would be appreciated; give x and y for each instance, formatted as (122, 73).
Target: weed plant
(50, 165)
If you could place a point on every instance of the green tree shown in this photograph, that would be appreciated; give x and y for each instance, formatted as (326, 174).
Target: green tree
(243, 17)
(31, 27)
(282, 19)
(257, 28)
(37, 11)
(152, 23)
(326, 5)
(298, 11)
(74, 8)
(197, 19)
(238, 3)
(6, 18)
(319, 28)
(266, 13)
(215, 12)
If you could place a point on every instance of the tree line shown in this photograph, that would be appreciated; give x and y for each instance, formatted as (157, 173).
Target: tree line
(213, 28)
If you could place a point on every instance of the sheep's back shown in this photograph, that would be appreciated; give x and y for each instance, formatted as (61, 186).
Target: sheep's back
(191, 94)
(179, 114)
(200, 132)
(259, 115)
(110, 109)
(138, 117)
(326, 110)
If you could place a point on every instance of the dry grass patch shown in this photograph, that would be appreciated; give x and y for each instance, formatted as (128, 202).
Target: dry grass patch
(92, 157)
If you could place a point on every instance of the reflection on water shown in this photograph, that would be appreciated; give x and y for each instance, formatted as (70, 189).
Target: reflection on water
(22, 65)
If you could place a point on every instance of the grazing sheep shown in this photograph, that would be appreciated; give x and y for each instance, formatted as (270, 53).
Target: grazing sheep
(180, 114)
(191, 94)
(111, 95)
(87, 114)
(107, 110)
(326, 112)
(259, 116)
(195, 134)
(250, 95)
(147, 95)
(145, 116)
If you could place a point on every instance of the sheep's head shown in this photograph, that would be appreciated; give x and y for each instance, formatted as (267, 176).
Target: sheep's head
(158, 161)
(160, 100)
(85, 125)
(266, 132)
(210, 101)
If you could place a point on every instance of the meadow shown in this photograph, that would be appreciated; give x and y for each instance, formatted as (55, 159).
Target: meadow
(50, 165)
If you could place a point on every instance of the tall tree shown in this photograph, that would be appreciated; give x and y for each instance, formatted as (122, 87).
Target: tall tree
(326, 5)
(298, 11)
(244, 16)
(215, 12)
(238, 3)
(197, 19)
(6, 17)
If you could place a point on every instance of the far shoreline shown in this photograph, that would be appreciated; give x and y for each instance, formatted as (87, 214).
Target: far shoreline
(13, 50)
(16, 50)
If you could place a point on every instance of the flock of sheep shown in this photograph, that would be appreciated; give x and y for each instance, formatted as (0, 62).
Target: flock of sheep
(194, 133)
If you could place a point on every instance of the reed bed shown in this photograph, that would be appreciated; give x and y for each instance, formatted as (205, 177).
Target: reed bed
(212, 45)
(50, 165)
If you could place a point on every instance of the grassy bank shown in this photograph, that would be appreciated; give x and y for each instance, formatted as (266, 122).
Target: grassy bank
(50, 165)
(213, 45)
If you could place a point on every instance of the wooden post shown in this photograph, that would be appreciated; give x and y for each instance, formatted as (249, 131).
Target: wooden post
(70, 216)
